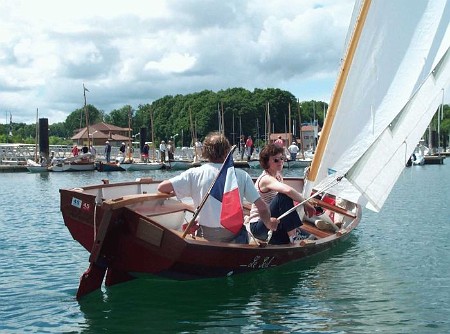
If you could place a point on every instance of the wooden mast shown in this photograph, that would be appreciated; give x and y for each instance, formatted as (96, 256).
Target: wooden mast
(337, 94)
(300, 129)
(87, 116)
(290, 127)
(129, 134)
(153, 135)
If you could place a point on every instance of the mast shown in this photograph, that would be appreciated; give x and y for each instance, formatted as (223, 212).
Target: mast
(300, 129)
(153, 135)
(36, 137)
(290, 124)
(440, 117)
(223, 121)
(193, 134)
(268, 123)
(129, 133)
(86, 115)
(337, 94)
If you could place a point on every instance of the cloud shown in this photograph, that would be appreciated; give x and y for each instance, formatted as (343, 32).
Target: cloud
(134, 52)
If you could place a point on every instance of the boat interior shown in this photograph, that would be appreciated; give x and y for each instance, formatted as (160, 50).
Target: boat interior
(142, 197)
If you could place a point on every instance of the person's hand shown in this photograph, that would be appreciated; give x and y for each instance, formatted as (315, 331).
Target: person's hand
(273, 224)
(309, 209)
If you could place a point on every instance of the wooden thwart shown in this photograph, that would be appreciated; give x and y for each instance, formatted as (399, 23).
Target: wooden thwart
(123, 201)
(334, 208)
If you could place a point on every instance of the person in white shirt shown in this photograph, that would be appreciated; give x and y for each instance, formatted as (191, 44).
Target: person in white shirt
(196, 182)
(162, 150)
(293, 150)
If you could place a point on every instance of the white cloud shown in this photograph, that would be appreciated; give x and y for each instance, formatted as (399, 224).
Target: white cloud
(137, 51)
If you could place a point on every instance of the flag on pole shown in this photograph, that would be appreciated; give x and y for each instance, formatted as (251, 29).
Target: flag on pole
(226, 191)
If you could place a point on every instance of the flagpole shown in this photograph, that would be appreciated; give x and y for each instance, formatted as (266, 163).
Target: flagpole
(202, 203)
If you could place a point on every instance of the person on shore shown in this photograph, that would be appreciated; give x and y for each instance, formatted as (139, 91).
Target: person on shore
(242, 147)
(279, 196)
(170, 150)
(75, 150)
(293, 150)
(108, 151)
(162, 150)
(249, 148)
(198, 147)
(145, 151)
(122, 149)
(196, 182)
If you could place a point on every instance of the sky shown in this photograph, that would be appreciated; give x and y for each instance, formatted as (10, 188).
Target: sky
(134, 52)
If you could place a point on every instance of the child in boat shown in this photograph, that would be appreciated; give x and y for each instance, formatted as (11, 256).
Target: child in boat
(278, 195)
(196, 182)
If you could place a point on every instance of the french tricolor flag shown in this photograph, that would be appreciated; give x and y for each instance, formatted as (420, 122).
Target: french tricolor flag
(226, 191)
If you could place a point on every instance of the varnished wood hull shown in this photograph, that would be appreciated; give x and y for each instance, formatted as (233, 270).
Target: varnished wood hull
(136, 240)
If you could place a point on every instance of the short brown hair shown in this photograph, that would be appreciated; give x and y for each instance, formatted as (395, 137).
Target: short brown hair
(270, 150)
(215, 147)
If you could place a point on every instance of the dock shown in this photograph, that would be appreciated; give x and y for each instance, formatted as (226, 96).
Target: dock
(13, 168)
(434, 159)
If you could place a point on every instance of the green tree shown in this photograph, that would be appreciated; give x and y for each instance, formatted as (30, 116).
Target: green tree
(77, 119)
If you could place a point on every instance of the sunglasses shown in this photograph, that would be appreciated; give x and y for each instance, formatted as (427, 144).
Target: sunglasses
(278, 159)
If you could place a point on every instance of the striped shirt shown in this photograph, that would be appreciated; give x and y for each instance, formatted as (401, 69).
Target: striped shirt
(267, 196)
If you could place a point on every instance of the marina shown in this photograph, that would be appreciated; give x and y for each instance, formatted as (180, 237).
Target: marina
(383, 279)
(350, 241)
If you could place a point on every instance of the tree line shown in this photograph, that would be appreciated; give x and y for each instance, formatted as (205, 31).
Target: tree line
(236, 111)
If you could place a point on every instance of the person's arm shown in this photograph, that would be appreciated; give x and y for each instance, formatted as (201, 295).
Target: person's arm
(166, 187)
(264, 214)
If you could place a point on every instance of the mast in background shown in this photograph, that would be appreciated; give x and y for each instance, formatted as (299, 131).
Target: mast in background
(86, 114)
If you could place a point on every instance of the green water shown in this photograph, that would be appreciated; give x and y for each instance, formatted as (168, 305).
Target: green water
(391, 276)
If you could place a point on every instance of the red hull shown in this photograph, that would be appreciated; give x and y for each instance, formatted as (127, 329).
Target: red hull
(130, 242)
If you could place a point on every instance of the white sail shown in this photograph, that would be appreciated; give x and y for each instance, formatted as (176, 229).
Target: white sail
(391, 89)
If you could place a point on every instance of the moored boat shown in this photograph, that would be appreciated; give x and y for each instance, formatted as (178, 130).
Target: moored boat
(102, 166)
(136, 166)
(181, 164)
(80, 163)
(34, 167)
(298, 163)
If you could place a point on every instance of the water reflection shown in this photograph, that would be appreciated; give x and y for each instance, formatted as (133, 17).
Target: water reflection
(281, 299)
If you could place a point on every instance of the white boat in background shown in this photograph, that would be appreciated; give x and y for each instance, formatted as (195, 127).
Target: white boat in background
(254, 164)
(181, 164)
(297, 163)
(136, 166)
(82, 162)
(34, 167)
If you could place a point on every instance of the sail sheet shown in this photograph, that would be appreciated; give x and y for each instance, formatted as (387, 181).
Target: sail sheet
(392, 88)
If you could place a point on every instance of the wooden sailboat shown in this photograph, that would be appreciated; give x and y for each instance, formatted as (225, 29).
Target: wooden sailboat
(82, 162)
(131, 230)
